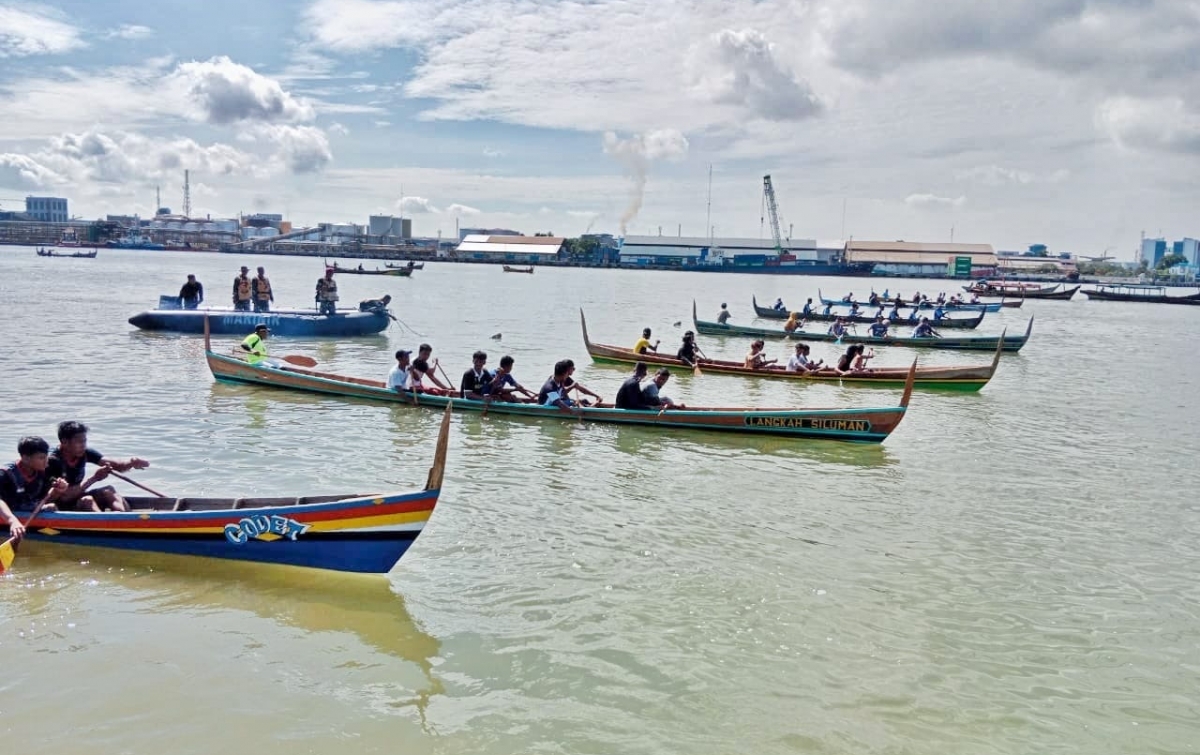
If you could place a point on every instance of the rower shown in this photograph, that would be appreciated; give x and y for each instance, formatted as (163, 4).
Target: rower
(25, 483)
(242, 291)
(571, 385)
(643, 344)
(425, 352)
(854, 310)
(262, 292)
(476, 378)
(874, 299)
(327, 295)
(69, 461)
(399, 374)
(848, 298)
(808, 307)
(792, 323)
(629, 395)
(651, 396)
(689, 351)
(415, 381)
(799, 361)
(554, 390)
(755, 358)
(879, 328)
(256, 344)
(939, 313)
(778, 307)
(503, 385)
(838, 328)
(925, 330)
(723, 315)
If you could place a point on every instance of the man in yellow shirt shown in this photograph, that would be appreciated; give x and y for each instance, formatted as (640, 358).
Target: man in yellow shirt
(256, 344)
(643, 344)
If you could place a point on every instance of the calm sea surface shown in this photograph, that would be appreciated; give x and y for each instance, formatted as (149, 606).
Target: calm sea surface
(1013, 571)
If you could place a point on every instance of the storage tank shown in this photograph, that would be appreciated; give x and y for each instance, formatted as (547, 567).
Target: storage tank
(227, 226)
(380, 225)
(249, 232)
(344, 229)
(268, 231)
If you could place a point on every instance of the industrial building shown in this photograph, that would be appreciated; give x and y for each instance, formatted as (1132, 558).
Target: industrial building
(519, 249)
(47, 209)
(913, 258)
(696, 252)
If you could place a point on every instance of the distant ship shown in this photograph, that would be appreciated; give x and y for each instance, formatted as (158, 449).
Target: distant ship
(134, 240)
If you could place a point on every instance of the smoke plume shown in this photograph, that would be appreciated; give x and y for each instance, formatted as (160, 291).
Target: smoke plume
(635, 155)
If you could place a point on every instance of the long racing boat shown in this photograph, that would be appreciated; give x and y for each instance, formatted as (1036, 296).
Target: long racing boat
(971, 378)
(768, 313)
(974, 343)
(869, 425)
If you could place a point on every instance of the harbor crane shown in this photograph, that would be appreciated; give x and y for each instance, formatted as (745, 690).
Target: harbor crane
(773, 212)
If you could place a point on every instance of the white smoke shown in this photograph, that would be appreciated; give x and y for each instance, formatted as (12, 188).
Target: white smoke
(635, 155)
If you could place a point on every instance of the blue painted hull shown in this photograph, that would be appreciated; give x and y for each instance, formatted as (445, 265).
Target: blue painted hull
(357, 552)
(283, 323)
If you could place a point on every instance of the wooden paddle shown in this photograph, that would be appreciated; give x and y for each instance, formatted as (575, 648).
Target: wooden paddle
(8, 549)
(137, 484)
(299, 360)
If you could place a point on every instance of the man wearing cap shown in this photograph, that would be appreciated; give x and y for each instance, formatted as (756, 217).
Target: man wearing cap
(256, 344)
(397, 375)
(263, 295)
(327, 295)
(241, 291)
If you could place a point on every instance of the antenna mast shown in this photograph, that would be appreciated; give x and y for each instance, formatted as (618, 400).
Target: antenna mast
(708, 210)
(187, 194)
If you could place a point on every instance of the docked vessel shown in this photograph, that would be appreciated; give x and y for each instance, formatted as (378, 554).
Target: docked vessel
(283, 322)
(1139, 292)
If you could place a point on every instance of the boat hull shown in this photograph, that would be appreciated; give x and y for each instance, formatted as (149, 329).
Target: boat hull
(967, 323)
(968, 343)
(859, 425)
(287, 323)
(1192, 299)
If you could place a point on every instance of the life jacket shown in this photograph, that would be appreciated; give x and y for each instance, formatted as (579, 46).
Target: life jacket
(243, 288)
(327, 289)
(258, 348)
(264, 288)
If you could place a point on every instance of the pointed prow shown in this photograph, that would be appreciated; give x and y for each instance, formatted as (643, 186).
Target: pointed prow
(439, 458)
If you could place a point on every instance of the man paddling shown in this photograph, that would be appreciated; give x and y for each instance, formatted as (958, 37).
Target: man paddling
(475, 379)
(69, 461)
(629, 395)
(24, 483)
(256, 344)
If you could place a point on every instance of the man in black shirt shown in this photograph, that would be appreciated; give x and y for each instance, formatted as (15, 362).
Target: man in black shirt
(630, 394)
(192, 293)
(475, 380)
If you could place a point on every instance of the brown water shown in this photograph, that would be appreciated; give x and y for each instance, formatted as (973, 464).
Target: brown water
(1013, 571)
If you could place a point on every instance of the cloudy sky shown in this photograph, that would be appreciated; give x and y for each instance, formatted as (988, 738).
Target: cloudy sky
(1074, 123)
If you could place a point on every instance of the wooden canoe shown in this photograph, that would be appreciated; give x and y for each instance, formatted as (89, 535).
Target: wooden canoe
(406, 266)
(511, 269)
(869, 425)
(1139, 293)
(994, 306)
(1052, 293)
(402, 272)
(971, 343)
(74, 255)
(946, 322)
(363, 532)
(970, 378)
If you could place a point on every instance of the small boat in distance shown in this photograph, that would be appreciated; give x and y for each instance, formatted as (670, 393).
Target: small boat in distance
(400, 272)
(1141, 292)
(43, 252)
(366, 533)
(866, 318)
(410, 265)
(511, 269)
(1017, 290)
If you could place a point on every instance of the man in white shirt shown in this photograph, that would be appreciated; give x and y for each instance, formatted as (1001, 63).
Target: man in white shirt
(397, 375)
(799, 362)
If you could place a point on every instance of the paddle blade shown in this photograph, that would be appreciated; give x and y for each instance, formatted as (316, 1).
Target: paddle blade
(299, 360)
(7, 555)
(696, 370)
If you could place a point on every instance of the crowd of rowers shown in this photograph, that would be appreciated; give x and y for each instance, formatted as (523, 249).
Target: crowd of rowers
(855, 358)
(918, 299)
(57, 478)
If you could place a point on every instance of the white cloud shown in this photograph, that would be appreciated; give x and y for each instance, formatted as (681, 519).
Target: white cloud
(1163, 125)
(223, 92)
(130, 31)
(122, 158)
(415, 206)
(28, 29)
(493, 152)
(381, 124)
(339, 129)
(741, 67)
(461, 209)
(304, 149)
(995, 175)
(353, 26)
(933, 200)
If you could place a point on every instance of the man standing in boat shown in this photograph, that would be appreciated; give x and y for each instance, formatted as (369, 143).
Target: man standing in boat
(192, 293)
(327, 294)
(263, 295)
(69, 461)
(242, 293)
